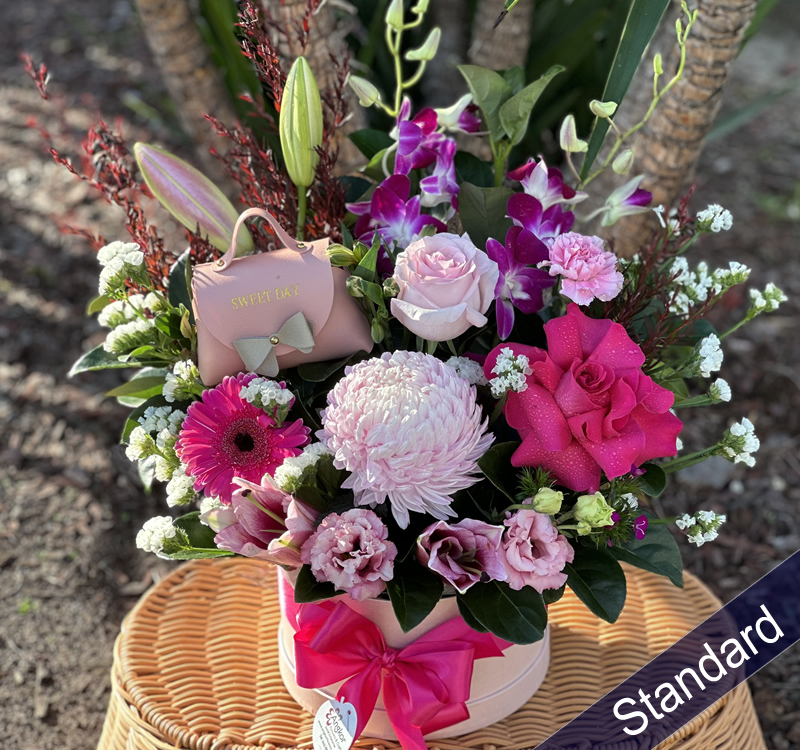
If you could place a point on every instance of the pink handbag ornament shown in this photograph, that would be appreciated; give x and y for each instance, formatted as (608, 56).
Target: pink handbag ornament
(274, 310)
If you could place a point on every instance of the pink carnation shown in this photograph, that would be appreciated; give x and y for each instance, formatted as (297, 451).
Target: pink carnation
(266, 523)
(353, 552)
(589, 271)
(462, 553)
(534, 552)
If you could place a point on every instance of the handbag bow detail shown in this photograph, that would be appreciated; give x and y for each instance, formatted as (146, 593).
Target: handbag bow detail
(258, 353)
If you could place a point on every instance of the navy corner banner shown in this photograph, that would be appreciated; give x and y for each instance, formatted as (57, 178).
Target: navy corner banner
(695, 672)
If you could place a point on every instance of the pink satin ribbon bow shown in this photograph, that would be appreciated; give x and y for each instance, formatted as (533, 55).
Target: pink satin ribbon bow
(425, 685)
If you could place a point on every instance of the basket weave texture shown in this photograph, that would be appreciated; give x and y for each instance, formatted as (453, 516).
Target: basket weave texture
(196, 668)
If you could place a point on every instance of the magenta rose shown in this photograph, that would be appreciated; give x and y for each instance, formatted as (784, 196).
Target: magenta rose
(446, 285)
(463, 553)
(588, 408)
(264, 522)
(353, 552)
(534, 552)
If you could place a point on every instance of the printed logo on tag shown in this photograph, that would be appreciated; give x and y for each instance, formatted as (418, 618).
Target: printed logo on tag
(334, 726)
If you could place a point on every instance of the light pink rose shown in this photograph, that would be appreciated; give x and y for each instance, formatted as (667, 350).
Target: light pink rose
(533, 551)
(446, 286)
(463, 553)
(588, 407)
(353, 552)
(264, 522)
(589, 271)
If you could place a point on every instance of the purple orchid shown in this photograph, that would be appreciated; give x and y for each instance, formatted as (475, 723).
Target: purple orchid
(626, 200)
(418, 142)
(518, 285)
(527, 212)
(546, 184)
(462, 116)
(441, 186)
(391, 214)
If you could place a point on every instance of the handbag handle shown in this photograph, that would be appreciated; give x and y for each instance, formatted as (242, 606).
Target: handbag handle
(227, 259)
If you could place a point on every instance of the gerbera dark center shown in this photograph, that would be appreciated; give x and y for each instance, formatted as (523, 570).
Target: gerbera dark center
(244, 442)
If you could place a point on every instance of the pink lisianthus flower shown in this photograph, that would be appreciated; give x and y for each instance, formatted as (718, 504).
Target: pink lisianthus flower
(352, 551)
(224, 436)
(267, 524)
(588, 408)
(589, 271)
(533, 551)
(463, 553)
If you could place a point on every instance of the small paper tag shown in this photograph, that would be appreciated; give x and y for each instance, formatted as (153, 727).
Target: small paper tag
(334, 726)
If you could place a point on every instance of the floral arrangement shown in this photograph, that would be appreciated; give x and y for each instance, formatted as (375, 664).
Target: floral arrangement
(522, 401)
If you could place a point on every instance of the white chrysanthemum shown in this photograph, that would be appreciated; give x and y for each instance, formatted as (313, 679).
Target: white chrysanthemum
(512, 373)
(180, 488)
(714, 219)
(408, 428)
(720, 390)
(468, 369)
(152, 535)
(140, 445)
(129, 336)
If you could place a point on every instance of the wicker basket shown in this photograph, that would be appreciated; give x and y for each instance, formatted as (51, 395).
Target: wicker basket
(196, 668)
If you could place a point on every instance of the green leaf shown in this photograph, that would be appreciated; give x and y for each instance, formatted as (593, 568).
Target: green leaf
(198, 554)
(657, 553)
(98, 359)
(516, 616)
(598, 581)
(97, 304)
(489, 91)
(642, 22)
(150, 385)
(470, 168)
(483, 213)
(414, 592)
(369, 142)
(178, 292)
(516, 112)
(200, 535)
(654, 480)
(469, 618)
(309, 589)
(496, 466)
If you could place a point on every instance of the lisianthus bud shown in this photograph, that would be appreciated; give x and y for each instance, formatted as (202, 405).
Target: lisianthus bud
(594, 510)
(624, 161)
(301, 123)
(394, 15)
(568, 138)
(367, 93)
(602, 109)
(548, 501)
(429, 48)
(191, 197)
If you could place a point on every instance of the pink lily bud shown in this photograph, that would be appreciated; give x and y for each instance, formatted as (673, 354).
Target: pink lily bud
(191, 197)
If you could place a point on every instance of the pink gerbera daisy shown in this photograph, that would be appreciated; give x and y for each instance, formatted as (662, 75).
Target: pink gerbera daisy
(224, 436)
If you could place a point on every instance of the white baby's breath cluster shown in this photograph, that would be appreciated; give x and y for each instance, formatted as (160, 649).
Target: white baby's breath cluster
(702, 527)
(512, 372)
(719, 391)
(715, 218)
(767, 301)
(292, 473)
(468, 369)
(739, 443)
(155, 533)
(182, 383)
(270, 396)
(120, 261)
(129, 336)
(180, 488)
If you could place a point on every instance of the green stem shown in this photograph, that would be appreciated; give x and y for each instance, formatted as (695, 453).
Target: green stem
(301, 213)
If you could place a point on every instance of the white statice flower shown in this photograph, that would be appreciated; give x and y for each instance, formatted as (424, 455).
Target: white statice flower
(180, 488)
(129, 336)
(740, 442)
(181, 383)
(512, 372)
(140, 445)
(468, 369)
(158, 418)
(154, 533)
(714, 219)
(631, 500)
(702, 527)
(290, 473)
(720, 391)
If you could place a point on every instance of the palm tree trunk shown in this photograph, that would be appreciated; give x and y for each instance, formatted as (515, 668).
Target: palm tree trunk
(669, 145)
(193, 82)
